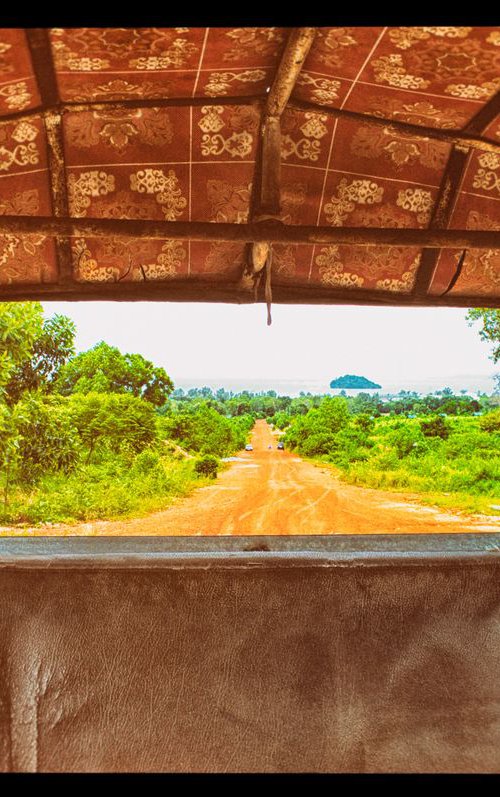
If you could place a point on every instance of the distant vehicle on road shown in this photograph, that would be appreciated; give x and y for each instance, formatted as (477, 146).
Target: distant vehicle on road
(280, 446)
(248, 447)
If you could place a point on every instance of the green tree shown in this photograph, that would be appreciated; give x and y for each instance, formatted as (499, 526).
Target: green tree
(104, 369)
(113, 421)
(20, 325)
(490, 331)
(46, 438)
(50, 350)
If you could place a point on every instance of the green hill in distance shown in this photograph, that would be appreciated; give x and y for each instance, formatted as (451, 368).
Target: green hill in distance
(351, 382)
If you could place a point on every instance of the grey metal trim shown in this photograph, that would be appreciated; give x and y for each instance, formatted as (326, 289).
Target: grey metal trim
(248, 552)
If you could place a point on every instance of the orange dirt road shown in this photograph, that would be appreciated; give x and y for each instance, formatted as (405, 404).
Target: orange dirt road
(266, 491)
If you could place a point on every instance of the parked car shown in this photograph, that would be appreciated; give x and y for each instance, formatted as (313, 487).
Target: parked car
(249, 447)
(280, 446)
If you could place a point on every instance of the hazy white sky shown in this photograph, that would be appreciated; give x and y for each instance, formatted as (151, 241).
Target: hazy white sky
(206, 343)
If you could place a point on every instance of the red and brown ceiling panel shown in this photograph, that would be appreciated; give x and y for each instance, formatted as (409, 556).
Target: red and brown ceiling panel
(341, 164)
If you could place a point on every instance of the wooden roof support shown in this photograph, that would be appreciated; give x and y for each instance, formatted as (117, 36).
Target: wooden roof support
(449, 191)
(441, 215)
(59, 190)
(450, 136)
(295, 53)
(269, 202)
(126, 105)
(272, 231)
(468, 137)
(43, 65)
(191, 289)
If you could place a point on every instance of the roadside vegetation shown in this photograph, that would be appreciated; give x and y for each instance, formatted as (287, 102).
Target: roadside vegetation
(103, 435)
(93, 435)
(454, 459)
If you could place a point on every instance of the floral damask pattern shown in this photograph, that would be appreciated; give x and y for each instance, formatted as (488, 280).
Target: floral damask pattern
(118, 129)
(453, 61)
(473, 91)
(240, 143)
(362, 192)
(127, 259)
(323, 90)
(197, 163)
(24, 203)
(419, 113)
(293, 196)
(391, 69)
(24, 151)
(82, 189)
(21, 155)
(404, 284)
(219, 83)
(117, 89)
(6, 65)
(16, 96)
(257, 41)
(165, 187)
(481, 267)
(223, 258)
(418, 201)
(333, 43)
(23, 258)
(488, 177)
(331, 270)
(404, 38)
(88, 49)
(466, 57)
(229, 203)
(308, 146)
(401, 150)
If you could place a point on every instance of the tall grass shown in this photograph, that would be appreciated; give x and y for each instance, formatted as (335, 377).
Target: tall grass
(466, 464)
(114, 488)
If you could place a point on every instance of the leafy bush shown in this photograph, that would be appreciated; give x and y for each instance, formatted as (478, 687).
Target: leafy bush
(146, 461)
(491, 421)
(207, 466)
(407, 440)
(435, 427)
(364, 422)
(47, 439)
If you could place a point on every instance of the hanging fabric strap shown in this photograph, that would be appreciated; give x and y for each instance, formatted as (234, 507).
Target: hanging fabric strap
(268, 293)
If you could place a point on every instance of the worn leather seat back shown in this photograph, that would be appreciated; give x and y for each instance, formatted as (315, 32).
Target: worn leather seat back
(338, 660)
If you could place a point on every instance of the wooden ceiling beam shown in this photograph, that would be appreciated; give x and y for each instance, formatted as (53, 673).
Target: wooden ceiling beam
(448, 196)
(464, 138)
(295, 53)
(269, 180)
(193, 289)
(43, 65)
(272, 231)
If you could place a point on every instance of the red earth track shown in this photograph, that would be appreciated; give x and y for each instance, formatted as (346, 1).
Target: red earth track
(267, 491)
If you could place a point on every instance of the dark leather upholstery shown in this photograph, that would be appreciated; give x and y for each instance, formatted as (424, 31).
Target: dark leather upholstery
(250, 663)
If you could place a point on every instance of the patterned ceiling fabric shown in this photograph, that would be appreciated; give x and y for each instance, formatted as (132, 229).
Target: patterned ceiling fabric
(24, 191)
(18, 86)
(197, 157)
(477, 208)
(165, 62)
(437, 74)
(173, 164)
